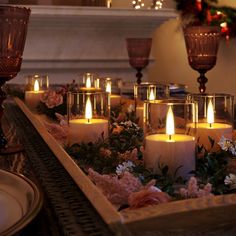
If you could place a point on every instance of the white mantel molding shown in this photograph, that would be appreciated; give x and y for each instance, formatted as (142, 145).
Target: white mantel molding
(63, 39)
(55, 16)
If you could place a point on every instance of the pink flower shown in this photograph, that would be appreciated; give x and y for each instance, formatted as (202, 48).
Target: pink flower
(105, 152)
(131, 156)
(45, 95)
(148, 196)
(52, 99)
(117, 129)
(194, 191)
(117, 190)
(58, 132)
(62, 119)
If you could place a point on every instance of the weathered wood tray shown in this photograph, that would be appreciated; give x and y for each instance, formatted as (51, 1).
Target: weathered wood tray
(206, 216)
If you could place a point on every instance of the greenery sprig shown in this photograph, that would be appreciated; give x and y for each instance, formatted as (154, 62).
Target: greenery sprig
(207, 12)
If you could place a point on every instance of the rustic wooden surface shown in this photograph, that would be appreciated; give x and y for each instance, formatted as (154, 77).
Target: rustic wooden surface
(203, 216)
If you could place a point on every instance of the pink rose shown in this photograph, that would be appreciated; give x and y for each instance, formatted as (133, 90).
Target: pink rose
(148, 196)
(54, 101)
(46, 95)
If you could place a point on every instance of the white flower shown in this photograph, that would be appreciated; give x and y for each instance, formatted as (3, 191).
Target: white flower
(130, 108)
(128, 123)
(230, 180)
(225, 143)
(125, 166)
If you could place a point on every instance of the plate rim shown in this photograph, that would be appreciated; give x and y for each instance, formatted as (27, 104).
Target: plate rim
(32, 212)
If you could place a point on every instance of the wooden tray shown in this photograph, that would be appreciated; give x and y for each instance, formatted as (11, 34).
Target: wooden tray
(205, 216)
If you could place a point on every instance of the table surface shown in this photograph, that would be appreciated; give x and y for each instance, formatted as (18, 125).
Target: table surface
(65, 210)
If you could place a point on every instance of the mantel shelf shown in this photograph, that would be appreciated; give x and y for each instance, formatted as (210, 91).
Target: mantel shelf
(58, 16)
(65, 40)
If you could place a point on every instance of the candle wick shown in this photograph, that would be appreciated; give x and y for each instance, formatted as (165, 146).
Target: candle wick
(210, 125)
(169, 136)
(88, 120)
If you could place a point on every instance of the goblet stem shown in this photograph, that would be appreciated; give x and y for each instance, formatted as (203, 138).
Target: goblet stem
(202, 80)
(139, 75)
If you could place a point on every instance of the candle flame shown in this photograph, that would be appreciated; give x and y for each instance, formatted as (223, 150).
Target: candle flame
(108, 87)
(151, 95)
(210, 113)
(170, 123)
(88, 82)
(88, 109)
(36, 86)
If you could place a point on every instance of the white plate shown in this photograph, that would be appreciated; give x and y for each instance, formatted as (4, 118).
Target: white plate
(20, 202)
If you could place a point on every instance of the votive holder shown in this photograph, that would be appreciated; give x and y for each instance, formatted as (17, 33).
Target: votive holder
(88, 116)
(89, 82)
(35, 86)
(111, 87)
(215, 114)
(169, 138)
(147, 91)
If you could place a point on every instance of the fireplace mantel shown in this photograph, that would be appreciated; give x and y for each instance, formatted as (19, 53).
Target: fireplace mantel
(70, 40)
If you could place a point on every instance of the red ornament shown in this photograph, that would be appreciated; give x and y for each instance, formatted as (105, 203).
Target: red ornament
(198, 4)
(209, 17)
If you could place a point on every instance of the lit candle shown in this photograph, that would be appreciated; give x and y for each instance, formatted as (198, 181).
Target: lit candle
(212, 129)
(91, 84)
(171, 149)
(87, 129)
(114, 99)
(32, 98)
(88, 82)
(152, 96)
(140, 112)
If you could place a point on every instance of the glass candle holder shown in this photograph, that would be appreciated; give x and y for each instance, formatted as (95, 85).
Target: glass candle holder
(40, 81)
(111, 87)
(215, 114)
(89, 82)
(88, 116)
(147, 91)
(35, 86)
(170, 136)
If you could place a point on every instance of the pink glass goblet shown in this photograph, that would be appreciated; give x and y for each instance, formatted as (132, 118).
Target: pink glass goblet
(139, 51)
(202, 43)
(13, 30)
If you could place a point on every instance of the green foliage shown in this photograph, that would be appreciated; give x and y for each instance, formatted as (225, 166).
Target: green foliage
(50, 112)
(89, 155)
(211, 167)
(130, 137)
(207, 14)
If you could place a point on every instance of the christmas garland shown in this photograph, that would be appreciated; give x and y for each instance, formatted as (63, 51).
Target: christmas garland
(207, 12)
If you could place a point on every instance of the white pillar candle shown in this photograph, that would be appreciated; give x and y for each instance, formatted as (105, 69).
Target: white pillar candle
(179, 151)
(215, 131)
(88, 129)
(212, 129)
(82, 130)
(32, 99)
(173, 150)
(115, 100)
